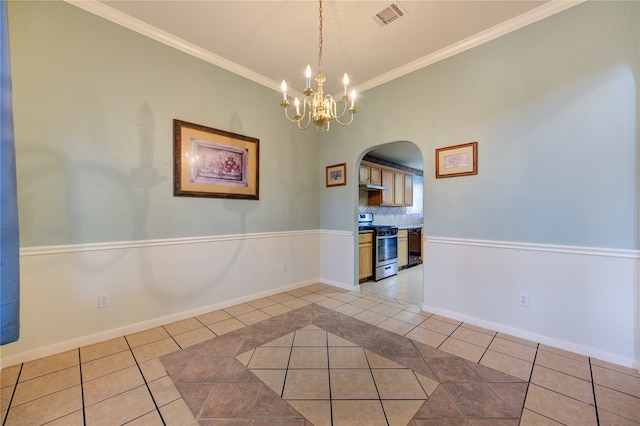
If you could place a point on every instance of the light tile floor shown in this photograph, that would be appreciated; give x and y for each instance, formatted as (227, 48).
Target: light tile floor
(124, 381)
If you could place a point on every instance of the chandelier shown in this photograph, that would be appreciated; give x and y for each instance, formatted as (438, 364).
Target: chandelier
(317, 107)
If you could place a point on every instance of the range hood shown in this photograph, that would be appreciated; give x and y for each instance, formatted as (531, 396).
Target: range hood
(372, 187)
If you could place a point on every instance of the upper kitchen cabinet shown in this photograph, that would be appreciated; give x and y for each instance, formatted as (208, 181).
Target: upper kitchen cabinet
(375, 175)
(365, 173)
(398, 189)
(408, 190)
(370, 174)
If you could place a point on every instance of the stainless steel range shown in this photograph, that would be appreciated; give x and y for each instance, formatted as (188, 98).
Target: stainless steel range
(385, 246)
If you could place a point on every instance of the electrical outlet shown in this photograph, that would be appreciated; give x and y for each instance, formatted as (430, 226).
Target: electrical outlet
(283, 267)
(524, 299)
(103, 300)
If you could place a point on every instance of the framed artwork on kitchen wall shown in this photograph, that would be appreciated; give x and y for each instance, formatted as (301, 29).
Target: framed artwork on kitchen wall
(457, 160)
(214, 163)
(337, 174)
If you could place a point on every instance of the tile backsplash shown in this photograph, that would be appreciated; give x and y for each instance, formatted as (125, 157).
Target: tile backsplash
(397, 216)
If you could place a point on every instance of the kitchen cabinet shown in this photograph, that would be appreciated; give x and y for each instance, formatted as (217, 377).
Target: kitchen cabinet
(365, 255)
(398, 189)
(375, 175)
(408, 190)
(403, 248)
(365, 173)
(383, 197)
(386, 195)
(370, 174)
(398, 184)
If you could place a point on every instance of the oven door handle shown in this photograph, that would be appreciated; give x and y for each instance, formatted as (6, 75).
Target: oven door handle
(385, 237)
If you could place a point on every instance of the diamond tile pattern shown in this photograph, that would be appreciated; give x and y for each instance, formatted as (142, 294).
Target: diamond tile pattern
(332, 369)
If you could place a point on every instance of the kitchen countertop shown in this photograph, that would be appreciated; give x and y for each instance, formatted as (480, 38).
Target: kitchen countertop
(409, 226)
(399, 227)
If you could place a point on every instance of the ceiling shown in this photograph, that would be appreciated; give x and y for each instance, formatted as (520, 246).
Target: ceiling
(270, 40)
(404, 153)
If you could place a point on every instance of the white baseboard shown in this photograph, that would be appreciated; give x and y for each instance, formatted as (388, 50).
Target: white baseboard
(527, 335)
(141, 326)
(581, 299)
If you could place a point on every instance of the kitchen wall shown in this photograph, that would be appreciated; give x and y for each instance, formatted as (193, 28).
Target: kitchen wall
(553, 210)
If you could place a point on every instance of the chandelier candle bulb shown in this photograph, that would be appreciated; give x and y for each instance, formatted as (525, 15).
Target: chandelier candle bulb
(345, 81)
(353, 98)
(307, 74)
(297, 104)
(284, 91)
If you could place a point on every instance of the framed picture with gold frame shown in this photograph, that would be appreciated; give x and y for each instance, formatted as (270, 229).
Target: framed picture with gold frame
(214, 163)
(337, 174)
(457, 160)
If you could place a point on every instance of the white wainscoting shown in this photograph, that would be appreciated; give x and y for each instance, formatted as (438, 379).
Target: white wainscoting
(581, 299)
(338, 265)
(150, 283)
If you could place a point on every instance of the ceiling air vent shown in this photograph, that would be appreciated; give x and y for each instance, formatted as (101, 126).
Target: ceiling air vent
(389, 14)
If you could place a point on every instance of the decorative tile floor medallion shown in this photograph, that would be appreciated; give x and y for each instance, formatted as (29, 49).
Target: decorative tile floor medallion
(316, 366)
(331, 380)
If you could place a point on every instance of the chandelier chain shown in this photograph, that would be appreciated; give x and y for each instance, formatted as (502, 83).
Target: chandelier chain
(320, 42)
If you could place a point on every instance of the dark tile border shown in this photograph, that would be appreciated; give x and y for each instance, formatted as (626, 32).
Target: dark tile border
(467, 390)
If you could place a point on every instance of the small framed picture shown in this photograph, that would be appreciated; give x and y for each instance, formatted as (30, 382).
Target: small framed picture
(337, 175)
(457, 160)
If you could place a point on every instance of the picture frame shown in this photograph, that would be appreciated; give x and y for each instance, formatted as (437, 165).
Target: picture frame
(457, 160)
(336, 175)
(214, 163)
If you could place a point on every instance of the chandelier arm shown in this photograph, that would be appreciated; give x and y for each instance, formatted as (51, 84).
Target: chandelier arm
(334, 112)
(348, 122)
(305, 105)
(334, 108)
(306, 125)
(286, 114)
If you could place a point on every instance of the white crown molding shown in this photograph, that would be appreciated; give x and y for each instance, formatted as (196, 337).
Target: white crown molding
(541, 12)
(115, 16)
(537, 14)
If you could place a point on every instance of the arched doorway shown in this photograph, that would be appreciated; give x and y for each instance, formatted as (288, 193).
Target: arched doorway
(404, 160)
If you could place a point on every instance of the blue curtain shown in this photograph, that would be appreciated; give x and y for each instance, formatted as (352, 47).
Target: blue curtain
(9, 238)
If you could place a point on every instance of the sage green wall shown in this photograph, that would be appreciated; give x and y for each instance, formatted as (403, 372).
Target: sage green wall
(553, 107)
(93, 109)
